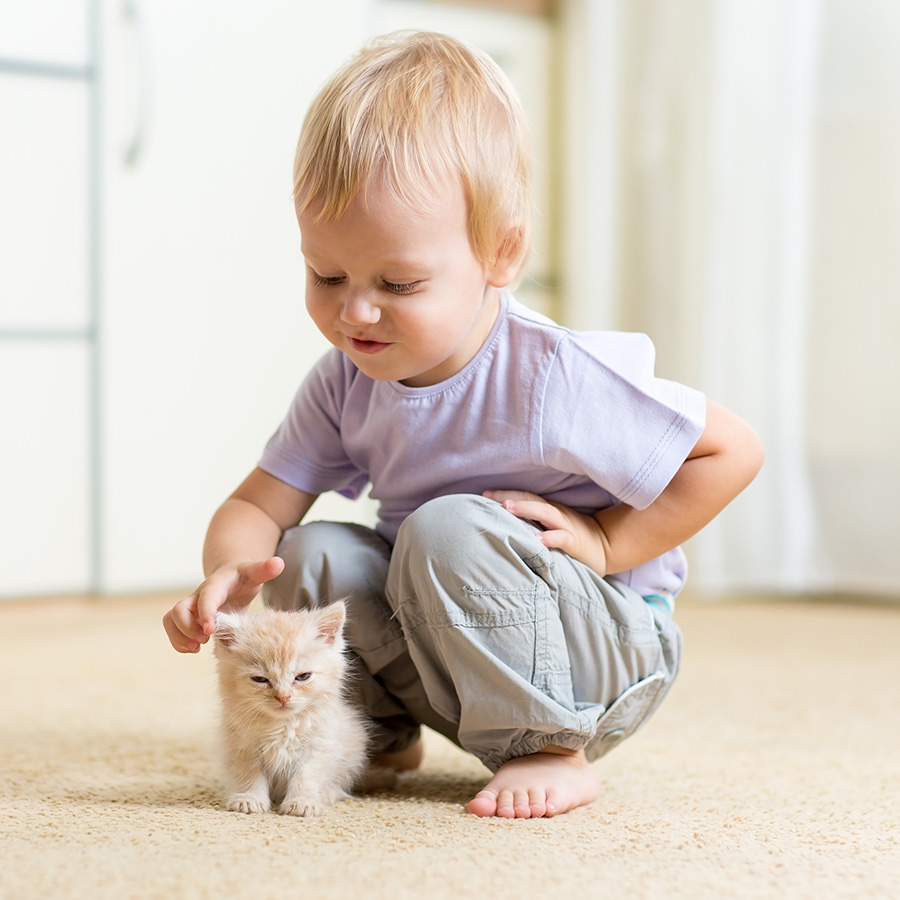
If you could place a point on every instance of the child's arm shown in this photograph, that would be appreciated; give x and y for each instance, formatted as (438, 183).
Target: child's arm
(723, 462)
(237, 555)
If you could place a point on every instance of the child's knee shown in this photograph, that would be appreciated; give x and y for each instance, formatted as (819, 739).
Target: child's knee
(467, 537)
(302, 543)
(445, 523)
(304, 581)
(463, 561)
(327, 561)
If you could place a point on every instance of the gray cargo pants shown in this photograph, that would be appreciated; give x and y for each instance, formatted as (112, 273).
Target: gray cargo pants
(469, 625)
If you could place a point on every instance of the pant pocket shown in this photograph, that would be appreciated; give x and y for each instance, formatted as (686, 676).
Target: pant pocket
(628, 712)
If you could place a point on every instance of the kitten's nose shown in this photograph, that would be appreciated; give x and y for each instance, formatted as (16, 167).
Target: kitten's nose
(283, 699)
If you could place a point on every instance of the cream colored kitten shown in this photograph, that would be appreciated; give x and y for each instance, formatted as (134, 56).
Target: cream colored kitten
(291, 739)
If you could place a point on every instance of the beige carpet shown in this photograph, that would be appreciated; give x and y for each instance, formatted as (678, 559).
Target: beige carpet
(772, 771)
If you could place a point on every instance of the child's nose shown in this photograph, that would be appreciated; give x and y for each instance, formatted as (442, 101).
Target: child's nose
(360, 310)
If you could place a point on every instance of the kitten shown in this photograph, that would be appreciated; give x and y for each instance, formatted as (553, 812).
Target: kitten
(290, 737)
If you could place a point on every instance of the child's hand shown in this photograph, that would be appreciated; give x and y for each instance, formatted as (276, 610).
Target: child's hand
(578, 535)
(191, 621)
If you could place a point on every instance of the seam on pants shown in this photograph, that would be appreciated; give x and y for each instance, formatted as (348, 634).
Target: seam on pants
(461, 617)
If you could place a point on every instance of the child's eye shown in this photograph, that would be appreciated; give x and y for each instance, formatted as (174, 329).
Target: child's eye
(303, 676)
(395, 288)
(323, 281)
(259, 679)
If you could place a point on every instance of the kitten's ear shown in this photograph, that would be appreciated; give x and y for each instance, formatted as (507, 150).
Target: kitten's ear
(227, 625)
(330, 621)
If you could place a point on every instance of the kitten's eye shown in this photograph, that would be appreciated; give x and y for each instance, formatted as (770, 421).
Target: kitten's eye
(259, 679)
(303, 676)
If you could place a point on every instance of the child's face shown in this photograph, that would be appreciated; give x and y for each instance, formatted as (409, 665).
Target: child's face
(399, 291)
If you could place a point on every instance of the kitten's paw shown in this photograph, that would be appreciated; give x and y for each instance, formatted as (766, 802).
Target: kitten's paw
(302, 806)
(246, 803)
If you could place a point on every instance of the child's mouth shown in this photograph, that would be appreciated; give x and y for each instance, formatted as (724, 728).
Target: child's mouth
(367, 346)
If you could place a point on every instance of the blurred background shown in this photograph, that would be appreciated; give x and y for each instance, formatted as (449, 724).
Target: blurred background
(721, 174)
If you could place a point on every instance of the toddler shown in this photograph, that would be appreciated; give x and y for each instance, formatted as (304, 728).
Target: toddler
(534, 484)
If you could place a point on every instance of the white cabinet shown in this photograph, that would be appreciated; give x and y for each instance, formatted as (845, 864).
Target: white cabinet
(45, 476)
(45, 298)
(204, 332)
(44, 210)
(152, 327)
(48, 32)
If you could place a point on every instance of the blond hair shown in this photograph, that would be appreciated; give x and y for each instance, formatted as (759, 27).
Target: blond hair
(412, 108)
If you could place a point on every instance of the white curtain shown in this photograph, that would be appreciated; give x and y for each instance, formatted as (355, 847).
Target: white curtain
(741, 203)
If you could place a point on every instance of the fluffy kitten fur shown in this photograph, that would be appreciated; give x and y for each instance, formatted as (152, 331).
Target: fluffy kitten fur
(291, 739)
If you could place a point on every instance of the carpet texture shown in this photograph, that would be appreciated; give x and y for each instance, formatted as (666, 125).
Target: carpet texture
(771, 771)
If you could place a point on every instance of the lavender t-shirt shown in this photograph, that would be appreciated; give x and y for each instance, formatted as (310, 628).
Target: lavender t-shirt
(576, 417)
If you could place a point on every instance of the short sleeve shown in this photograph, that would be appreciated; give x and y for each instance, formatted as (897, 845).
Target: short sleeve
(606, 415)
(306, 450)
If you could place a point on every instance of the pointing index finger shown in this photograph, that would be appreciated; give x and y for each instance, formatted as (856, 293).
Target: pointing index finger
(207, 607)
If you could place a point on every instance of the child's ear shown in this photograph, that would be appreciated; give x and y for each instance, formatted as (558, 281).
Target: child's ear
(504, 267)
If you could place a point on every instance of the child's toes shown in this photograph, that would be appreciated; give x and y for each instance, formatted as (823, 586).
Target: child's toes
(484, 803)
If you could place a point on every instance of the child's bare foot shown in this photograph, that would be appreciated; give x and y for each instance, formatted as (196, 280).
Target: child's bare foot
(403, 760)
(543, 784)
